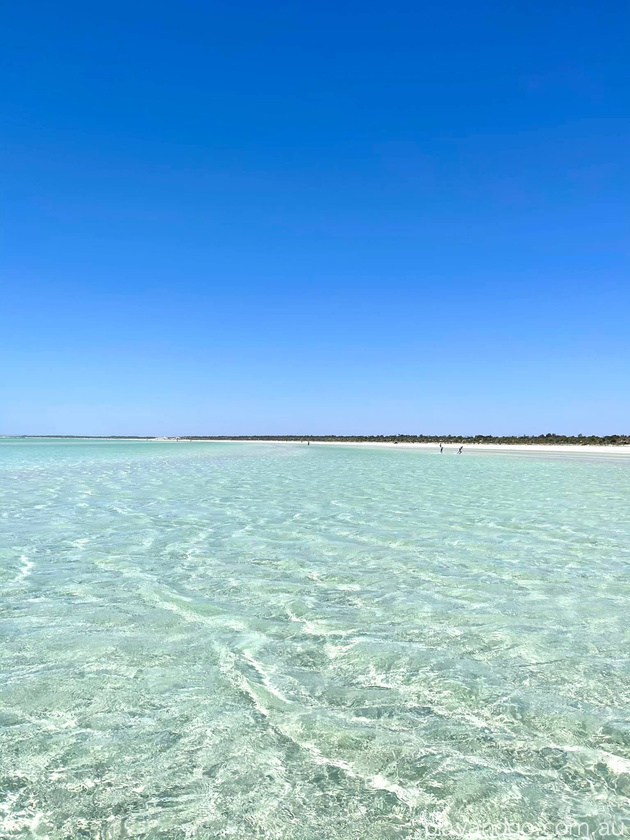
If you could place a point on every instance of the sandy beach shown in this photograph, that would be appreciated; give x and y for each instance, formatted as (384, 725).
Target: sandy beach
(567, 449)
(449, 448)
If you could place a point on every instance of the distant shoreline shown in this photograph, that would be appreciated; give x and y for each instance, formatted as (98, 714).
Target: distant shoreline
(449, 446)
(507, 444)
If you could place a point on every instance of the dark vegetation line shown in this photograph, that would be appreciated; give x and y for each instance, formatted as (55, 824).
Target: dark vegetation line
(550, 438)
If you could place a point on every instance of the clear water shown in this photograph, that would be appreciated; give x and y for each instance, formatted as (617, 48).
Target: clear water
(268, 641)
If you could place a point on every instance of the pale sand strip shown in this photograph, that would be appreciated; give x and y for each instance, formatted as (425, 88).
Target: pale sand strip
(524, 448)
(567, 448)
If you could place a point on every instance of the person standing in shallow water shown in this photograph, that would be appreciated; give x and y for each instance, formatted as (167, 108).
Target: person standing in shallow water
(441, 448)
(460, 450)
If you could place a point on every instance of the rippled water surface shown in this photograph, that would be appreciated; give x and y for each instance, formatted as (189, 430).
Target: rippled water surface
(213, 640)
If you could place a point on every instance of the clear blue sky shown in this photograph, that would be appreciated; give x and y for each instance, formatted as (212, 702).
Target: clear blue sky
(290, 217)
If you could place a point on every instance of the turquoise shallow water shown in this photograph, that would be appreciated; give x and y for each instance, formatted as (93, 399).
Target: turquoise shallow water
(246, 640)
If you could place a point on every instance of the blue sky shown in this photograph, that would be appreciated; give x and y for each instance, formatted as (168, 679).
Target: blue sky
(333, 217)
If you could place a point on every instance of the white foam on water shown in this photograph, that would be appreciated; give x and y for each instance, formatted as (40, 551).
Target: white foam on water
(264, 676)
(26, 567)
